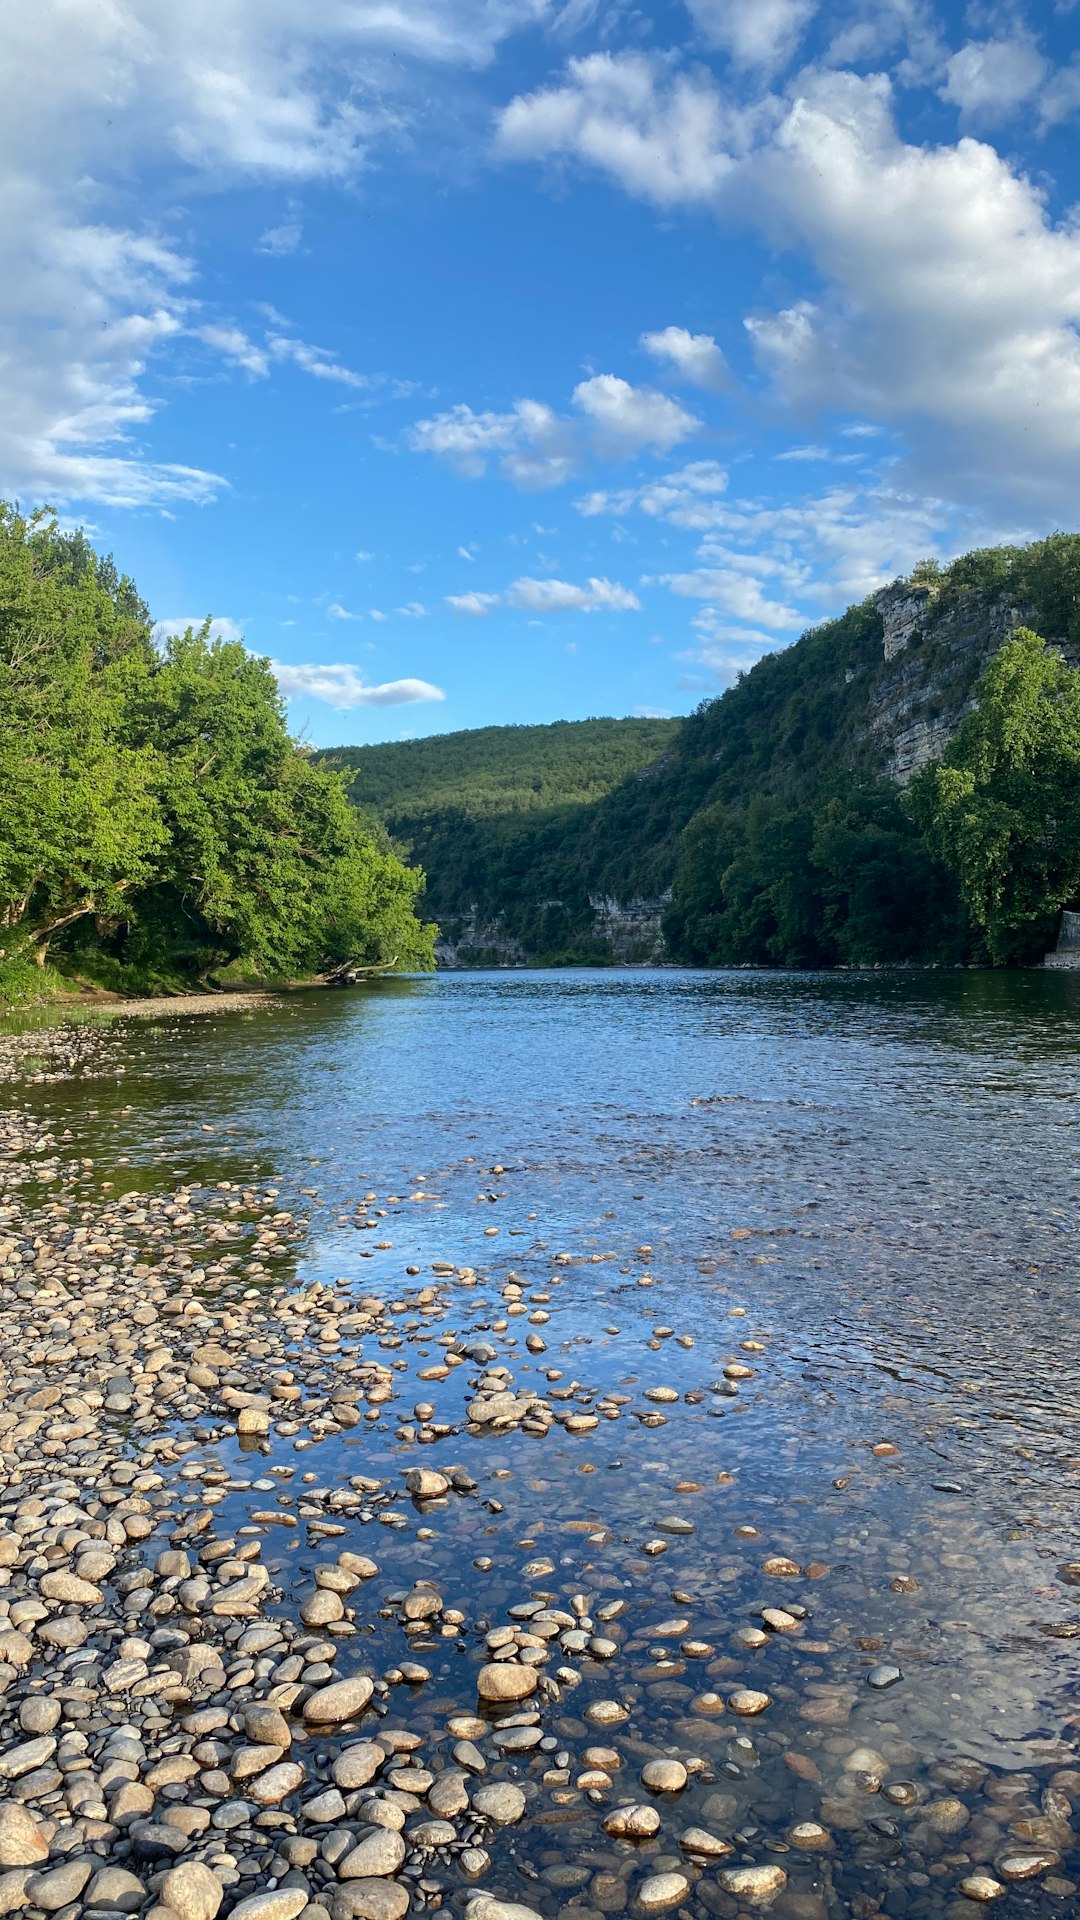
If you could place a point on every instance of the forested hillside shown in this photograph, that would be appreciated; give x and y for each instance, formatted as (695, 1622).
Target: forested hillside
(831, 808)
(158, 826)
(499, 770)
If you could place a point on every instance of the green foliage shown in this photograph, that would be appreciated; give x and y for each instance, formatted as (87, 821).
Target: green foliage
(844, 882)
(1002, 809)
(499, 771)
(156, 813)
(764, 817)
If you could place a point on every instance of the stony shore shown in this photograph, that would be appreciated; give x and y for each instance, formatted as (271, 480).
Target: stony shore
(219, 1695)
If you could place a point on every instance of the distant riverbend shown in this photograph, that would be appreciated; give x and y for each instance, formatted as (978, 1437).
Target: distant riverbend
(544, 1444)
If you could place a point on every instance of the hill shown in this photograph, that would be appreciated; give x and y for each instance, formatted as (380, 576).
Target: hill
(499, 770)
(770, 827)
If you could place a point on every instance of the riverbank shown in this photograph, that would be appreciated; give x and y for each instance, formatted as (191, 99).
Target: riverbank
(352, 1563)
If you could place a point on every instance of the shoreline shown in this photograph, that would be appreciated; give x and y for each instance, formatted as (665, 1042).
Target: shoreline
(327, 1595)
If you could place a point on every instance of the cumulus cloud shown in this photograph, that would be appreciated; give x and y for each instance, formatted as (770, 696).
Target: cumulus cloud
(948, 300)
(342, 686)
(627, 419)
(667, 139)
(560, 596)
(550, 596)
(335, 611)
(533, 446)
(738, 594)
(756, 33)
(990, 79)
(686, 497)
(477, 605)
(695, 356)
(281, 240)
(212, 94)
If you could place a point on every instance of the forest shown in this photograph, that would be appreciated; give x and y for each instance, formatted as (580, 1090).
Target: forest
(766, 824)
(160, 828)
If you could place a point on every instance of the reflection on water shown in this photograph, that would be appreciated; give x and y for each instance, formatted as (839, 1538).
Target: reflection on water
(876, 1174)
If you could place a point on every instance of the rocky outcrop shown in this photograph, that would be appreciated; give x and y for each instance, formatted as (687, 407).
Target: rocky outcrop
(470, 941)
(938, 652)
(630, 929)
(627, 933)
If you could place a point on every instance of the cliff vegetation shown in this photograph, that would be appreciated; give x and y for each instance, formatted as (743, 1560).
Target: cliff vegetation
(840, 805)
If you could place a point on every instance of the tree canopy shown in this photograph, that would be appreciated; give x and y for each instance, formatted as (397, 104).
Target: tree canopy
(1002, 808)
(157, 816)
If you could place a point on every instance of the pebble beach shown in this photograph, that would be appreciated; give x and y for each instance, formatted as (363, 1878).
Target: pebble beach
(438, 1584)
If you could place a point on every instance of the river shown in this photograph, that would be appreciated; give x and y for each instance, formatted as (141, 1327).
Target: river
(860, 1192)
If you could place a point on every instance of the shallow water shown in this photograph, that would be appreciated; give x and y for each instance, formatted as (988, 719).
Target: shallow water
(875, 1177)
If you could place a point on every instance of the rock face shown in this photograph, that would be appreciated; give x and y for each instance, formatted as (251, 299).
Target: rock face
(938, 654)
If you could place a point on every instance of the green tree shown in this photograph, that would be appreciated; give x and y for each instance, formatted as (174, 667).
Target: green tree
(80, 822)
(154, 810)
(1002, 807)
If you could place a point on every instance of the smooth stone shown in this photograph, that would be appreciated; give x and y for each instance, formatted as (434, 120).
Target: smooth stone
(632, 1823)
(753, 1883)
(191, 1891)
(662, 1890)
(748, 1702)
(377, 1856)
(883, 1676)
(485, 1906)
(358, 1764)
(60, 1886)
(506, 1680)
(270, 1788)
(343, 1700)
(664, 1776)
(283, 1903)
(982, 1887)
(267, 1727)
(500, 1802)
(425, 1484)
(369, 1900)
(697, 1840)
(22, 1843)
(13, 1893)
(114, 1890)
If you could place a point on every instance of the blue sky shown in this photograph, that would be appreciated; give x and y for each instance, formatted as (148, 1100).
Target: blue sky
(512, 360)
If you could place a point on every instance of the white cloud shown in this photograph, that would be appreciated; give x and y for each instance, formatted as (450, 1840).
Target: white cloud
(335, 611)
(726, 651)
(535, 448)
(652, 713)
(235, 347)
(475, 604)
(317, 361)
(466, 553)
(756, 33)
(281, 240)
(560, 596)
(738, 594)
(667, 139)
(695, 355)
(220, 629)
(362, 556)
(947, 302)
(550, 596)
(686, 497)
(96, 95)
(342, 686)
(990, 79)
(627, 419)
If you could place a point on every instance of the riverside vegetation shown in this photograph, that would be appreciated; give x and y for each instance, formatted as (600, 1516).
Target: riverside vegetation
(766, 826)
(159, 825)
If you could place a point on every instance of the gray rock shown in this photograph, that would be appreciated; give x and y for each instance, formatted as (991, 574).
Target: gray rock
(114, 1890)
(191, 1891)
